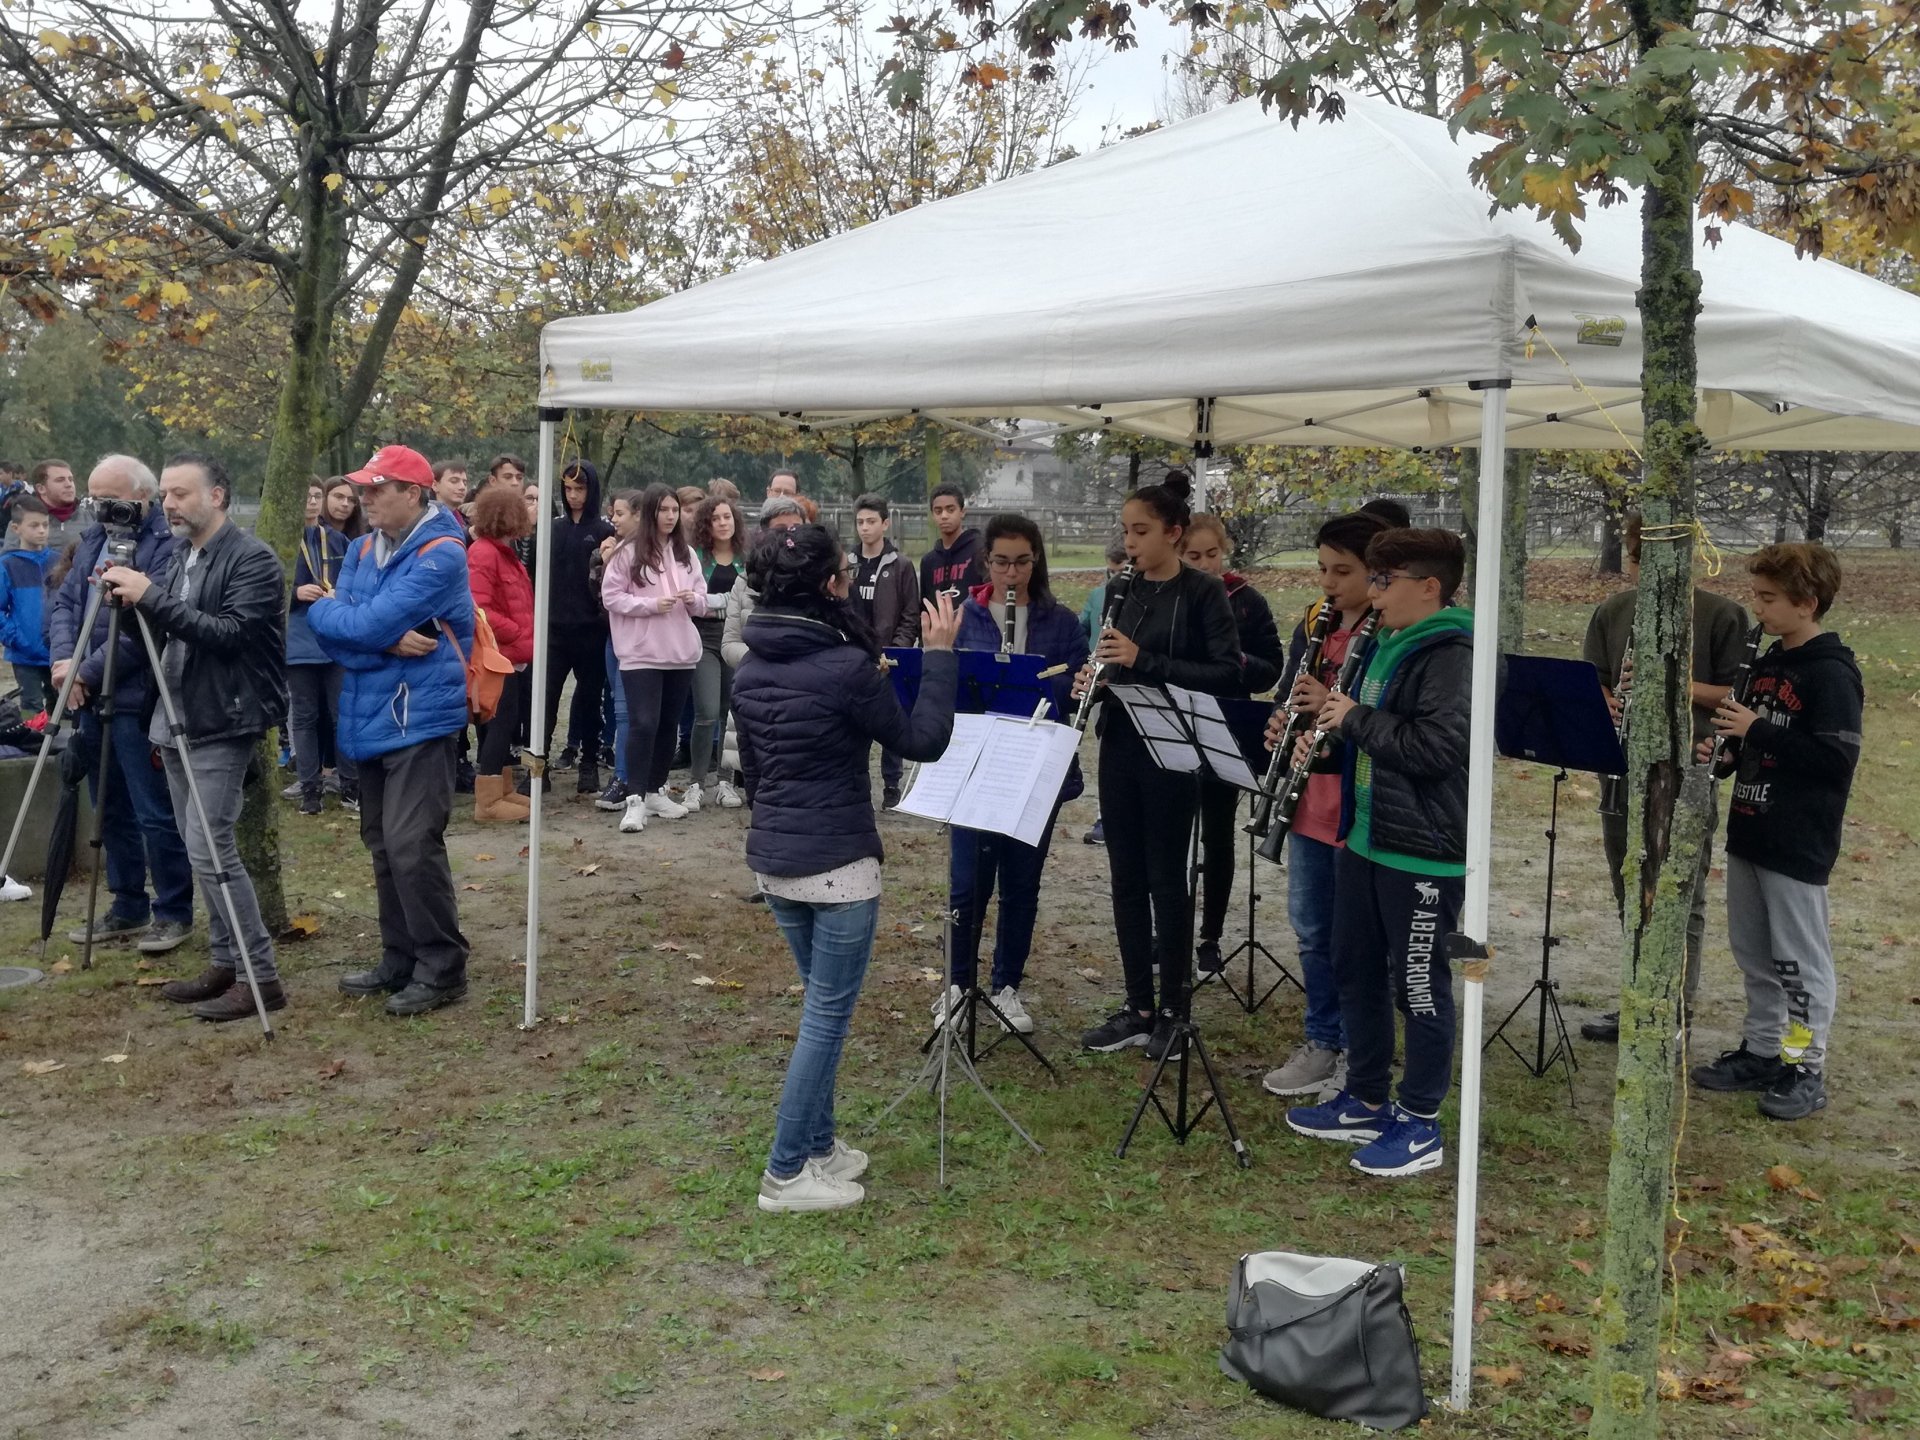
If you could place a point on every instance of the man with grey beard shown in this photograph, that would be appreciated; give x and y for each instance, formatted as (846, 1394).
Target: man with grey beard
(221, 610)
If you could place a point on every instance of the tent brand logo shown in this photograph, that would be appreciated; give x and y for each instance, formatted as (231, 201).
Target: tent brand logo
(598, 371)
(1600, 330)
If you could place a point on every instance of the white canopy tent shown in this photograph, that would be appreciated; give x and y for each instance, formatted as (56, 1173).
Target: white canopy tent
(1233, 280)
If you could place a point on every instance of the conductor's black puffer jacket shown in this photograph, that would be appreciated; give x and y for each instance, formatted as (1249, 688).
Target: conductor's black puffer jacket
(808, 705)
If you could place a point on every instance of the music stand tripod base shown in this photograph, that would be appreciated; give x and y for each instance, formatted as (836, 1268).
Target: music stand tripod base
(1255, 950)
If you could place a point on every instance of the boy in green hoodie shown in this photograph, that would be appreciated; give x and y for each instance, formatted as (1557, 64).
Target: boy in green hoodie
(1399, 881)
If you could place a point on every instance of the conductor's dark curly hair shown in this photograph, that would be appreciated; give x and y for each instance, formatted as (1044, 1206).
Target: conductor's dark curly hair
(790, 570)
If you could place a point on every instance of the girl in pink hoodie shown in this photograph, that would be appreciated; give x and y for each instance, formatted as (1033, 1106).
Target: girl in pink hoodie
(652, 589)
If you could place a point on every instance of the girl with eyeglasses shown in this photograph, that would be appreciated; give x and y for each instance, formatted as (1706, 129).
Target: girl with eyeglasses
(1017, 561)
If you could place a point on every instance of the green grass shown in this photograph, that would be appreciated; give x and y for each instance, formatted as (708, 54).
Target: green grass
(573, 1206)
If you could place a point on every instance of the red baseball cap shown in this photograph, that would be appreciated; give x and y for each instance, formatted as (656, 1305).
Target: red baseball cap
(395, 462)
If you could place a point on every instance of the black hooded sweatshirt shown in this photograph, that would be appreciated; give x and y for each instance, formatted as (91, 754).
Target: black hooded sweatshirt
(955, 568)
(575, 596)
(1796, 763)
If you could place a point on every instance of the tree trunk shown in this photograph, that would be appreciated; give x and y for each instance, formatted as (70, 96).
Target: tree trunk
(1513, 552)
(1612, 549)
(1819, 495)
(300, 431)
(1896, 532)
(1667, 793)
(933, 458)
(1782, 506)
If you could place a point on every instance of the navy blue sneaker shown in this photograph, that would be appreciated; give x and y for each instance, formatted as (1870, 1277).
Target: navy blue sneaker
(1098, 834)
(1342, 1118)
(1409, 1144)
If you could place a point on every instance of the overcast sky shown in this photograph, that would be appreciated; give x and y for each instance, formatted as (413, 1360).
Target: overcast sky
(1126, 89)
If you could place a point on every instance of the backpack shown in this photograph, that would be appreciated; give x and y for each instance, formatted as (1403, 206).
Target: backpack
(487, 669)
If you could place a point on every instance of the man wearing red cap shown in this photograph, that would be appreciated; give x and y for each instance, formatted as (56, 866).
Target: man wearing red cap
(400, 621)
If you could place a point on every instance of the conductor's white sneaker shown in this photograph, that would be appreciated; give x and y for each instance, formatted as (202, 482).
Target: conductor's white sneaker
(1012, 1012)
(812, 1189)
(662, 805)
(843, 1162)
(634, 819)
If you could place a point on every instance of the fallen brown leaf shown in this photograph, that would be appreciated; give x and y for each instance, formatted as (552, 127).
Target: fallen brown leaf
(667, 945)
(332, 1068)
(113, 1059)
(303, 927)
(588, 870)
(1871, 1406)
(1562, 1344)
(150, 980)
(41, 1067)
(473, 887)
(525, 850)
(766, 1375)
(1761, 1312)
(62, 966)
(1784, 1177)
(1585, 1267)
(483, 858)
(1498, 1376)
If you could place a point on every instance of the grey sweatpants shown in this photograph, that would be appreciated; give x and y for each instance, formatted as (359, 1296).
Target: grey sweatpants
(1778, 929)
(220, 770)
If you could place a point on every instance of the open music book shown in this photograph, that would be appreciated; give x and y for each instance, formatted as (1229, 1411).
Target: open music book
(999, 773)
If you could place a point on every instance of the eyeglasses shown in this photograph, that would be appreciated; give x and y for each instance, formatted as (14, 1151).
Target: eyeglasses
(850, 569)
(1017, 562)
(1383, 579)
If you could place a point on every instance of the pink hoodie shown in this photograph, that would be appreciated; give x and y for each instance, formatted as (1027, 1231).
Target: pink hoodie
(645, 638)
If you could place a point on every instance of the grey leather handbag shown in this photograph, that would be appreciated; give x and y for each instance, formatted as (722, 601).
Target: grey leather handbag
(1325, 1335)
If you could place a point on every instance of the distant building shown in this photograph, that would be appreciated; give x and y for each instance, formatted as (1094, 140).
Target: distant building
(1021, 473)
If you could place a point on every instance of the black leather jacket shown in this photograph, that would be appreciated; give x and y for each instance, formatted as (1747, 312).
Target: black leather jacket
(235, 681)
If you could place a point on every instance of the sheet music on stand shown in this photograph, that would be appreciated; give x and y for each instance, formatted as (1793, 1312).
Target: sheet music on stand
(999, 773)
(1174, 721)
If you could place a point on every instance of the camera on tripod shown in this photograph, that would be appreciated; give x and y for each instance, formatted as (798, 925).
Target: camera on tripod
(121, 519)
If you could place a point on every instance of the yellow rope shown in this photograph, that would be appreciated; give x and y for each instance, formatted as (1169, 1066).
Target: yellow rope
(1534, 332)
(1696, 532)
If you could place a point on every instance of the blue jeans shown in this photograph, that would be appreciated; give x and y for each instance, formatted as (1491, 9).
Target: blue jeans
(619, 715)
(1310, 866)
(979, 858)
(831, 945)
(152, 842)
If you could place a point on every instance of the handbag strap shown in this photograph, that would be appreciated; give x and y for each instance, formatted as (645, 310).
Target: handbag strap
(1328, 1301)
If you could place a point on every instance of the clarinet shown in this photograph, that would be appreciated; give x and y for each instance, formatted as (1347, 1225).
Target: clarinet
(1725, 756)
(1117, 589)
(1359, 651)
(1613, 788)
(1277, 767)
(1006, 637)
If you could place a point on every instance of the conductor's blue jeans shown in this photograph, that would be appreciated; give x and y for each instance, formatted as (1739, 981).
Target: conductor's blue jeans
(831, 946)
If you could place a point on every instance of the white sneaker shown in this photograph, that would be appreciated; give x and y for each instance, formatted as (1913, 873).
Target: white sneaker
(634, 818)
(661, 804)
(845, 1163)
(812, 1189)
(945, 1005)
(690, 799)
(1007, 1002)
(12, 889)
(727, 797)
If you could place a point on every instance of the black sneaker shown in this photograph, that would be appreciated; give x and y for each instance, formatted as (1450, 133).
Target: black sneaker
(350, 798)
(1167, 1039)
(419, 997)
(1603, 1031)
(310, 803)
(589, 781)
(890, 798)
(1124, 1028)
(1738, 1070)
(614, 797)
(463, 779)
(569, 757)
(1797, 1092)
(1207, 960)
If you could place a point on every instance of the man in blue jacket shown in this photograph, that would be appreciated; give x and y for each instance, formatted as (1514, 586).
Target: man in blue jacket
(135, 785)
(400, 621)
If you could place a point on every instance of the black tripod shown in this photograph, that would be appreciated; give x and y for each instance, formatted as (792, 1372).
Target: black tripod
(1185, 1038)
(965, 1011)
(1545, 987)
(1255, 951)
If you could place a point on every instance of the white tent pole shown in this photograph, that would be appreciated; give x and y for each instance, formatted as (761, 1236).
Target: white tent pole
(1475, 911)
(537, 708)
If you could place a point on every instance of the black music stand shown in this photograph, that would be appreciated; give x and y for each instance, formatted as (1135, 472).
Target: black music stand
(1552, 712)
(1183, 743)
(1247, 720)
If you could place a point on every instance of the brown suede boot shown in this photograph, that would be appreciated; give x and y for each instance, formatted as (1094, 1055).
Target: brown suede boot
(237, 1002)
(512, 799)
(490, 795)
(212, 981)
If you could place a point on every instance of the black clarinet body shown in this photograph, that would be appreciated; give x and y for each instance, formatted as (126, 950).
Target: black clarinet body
(1282, 762)
(1359, 651)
